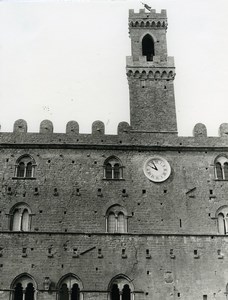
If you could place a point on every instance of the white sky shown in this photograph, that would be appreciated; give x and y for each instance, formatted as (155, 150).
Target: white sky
(65, 60)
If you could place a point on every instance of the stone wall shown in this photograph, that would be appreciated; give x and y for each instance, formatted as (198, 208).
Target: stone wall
(153, 271)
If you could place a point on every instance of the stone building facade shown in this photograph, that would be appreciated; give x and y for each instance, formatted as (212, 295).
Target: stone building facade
(133, 216)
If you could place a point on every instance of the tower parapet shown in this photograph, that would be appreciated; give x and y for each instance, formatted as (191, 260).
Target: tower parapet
(148, 19)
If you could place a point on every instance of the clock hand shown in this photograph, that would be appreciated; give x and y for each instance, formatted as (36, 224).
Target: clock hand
(153, 166)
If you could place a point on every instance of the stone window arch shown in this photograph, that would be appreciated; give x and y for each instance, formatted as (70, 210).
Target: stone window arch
(222, 219)
(113, 168)
(25, 167)
(221, 168)
(121, 288)
(116, 219)
(148, 47)
(20, 217)
(24, 288)
(69, 288)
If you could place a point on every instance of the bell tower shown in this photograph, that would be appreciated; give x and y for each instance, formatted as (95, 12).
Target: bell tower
(150, 74)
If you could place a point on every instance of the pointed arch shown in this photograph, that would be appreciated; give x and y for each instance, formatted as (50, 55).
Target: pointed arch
(116, 219)
(164, 75)
(25, 166)
(69, 287)
(137, 74)
(221, 167)
(113, 168)
(136, 24)
(148, 47)
(143, 75)
(20, 217)
(222, 219)
(24, 284)
(147, 24)
(151, 74)
(121, 285)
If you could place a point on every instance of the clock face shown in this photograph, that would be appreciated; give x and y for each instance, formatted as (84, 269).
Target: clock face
(157, 169)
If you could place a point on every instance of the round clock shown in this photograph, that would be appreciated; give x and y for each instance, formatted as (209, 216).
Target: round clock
(157, 169)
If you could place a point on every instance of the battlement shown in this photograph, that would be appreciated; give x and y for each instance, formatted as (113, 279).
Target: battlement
(150, 19)
(142, 14)
(125, 137)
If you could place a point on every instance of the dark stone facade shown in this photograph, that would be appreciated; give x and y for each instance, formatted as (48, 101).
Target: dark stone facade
(54, 214)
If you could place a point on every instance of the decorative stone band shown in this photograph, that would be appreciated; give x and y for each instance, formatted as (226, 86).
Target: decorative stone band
(167, 74)
(161, 24)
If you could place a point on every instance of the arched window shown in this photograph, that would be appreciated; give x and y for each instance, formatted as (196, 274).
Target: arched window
(20, 217)
(29, 291)
(64, 292)
(25, 167)
(18, 292)
(115, 292)
(126, 293)
(120, 222)
(221, 223)
(116, 219)
(121, 288)
(69, 288)
(111, 222)
(221, 168)
(24, 288)
(222, 218)
(113, 168)
(148, 47)
(225, 167)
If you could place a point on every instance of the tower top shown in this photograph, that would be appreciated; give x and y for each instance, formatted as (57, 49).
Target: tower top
(148, 18)
(147, 14)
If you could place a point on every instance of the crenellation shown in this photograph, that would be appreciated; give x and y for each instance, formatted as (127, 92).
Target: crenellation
(20, 126)
(46, 126)
(223, 130)
(125, 133)
(98, 128)
(142, 14)
(72, 127)
(200, 130)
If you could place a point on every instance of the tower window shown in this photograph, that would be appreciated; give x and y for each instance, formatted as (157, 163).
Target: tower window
(221, 168)
(148, 47)
(113, 168)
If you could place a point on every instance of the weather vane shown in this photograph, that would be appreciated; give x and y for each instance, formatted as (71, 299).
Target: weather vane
(146, 6)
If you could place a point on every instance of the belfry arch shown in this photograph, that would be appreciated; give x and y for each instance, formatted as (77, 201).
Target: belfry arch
(148, 47)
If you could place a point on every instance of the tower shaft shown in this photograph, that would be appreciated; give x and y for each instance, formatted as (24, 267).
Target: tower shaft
(150, 74)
